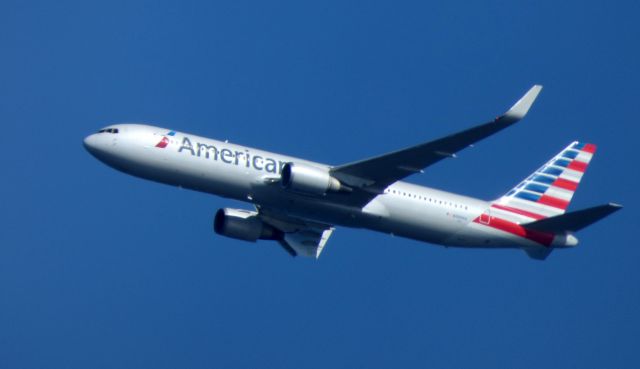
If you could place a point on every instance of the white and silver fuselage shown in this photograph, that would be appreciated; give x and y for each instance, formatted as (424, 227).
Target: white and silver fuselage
(253, 175)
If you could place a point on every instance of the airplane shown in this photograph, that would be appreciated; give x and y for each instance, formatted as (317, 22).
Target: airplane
(298, 203)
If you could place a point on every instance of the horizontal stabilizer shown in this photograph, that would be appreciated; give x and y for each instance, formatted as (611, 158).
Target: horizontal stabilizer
(574, 221)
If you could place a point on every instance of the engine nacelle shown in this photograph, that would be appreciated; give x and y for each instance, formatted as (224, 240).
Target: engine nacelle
(243, 225)
(308, 179)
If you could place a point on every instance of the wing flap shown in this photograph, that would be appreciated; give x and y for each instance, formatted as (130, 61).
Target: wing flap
(307, 242)
(300, 237)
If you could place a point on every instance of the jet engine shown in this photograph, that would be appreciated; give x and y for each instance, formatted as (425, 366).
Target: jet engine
(308, 179)
(243, 225)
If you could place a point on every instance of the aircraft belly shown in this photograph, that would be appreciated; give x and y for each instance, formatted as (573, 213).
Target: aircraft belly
(313, 208)
(420, 222)
(482, 236)
(404, 218)
(210, 176)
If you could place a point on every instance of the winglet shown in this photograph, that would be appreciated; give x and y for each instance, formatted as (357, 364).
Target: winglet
(520, 108)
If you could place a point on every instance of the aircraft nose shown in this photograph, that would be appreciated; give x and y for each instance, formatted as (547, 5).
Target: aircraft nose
(90, 143)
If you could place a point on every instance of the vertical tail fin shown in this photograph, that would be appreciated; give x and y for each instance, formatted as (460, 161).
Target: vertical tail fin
(548, 191)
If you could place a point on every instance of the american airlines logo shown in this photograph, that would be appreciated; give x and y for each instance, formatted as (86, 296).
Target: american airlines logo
(165, 141)
(232, 157)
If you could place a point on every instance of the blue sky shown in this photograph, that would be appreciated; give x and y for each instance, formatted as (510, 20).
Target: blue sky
(102, 270)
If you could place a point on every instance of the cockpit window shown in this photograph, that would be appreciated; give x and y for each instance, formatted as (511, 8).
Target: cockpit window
(108, 130)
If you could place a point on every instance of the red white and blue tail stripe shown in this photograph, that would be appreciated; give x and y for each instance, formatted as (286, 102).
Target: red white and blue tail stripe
(548, 191)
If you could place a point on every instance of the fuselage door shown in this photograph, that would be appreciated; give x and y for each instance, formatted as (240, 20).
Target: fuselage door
(485, 218)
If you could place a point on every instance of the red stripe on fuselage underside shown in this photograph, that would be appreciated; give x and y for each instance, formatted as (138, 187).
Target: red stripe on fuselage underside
(566, 184)
(504, 225)
(577, 165)
(553, 201)
(519, 211)
(589, 148)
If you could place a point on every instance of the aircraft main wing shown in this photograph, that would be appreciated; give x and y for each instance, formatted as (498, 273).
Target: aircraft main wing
(300, 237)
(373, 175)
